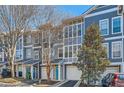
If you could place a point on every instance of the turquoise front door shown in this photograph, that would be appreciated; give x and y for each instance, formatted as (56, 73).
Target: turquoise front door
(56, 72)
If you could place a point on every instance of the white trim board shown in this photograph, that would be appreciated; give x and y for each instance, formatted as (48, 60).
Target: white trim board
(102, 12)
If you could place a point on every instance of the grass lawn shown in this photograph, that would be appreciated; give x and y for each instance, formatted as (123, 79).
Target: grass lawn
(9, 80)
(44, 83)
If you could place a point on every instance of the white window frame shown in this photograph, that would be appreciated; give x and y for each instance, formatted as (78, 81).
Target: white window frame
(27, 56)
(36, 51)
(37, 39)
(64, 32)
(120, 24)
(107, 26)
(107, 48)
(58, 52)
(115, 42)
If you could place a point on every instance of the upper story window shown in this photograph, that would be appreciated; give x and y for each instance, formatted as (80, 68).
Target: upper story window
(19, 44)
(36, 39)
(79, 29)
(105, 45)
(70, 31)
(28, 53)
(116, 49)
(70, 51)
(66, 52)
(66, 32)
(104, 26)
(74, 30)
(36, 54)
(28, 39)
(60, 53)
(116, 25)
(60, 35)
(75, 51)
(18, 54)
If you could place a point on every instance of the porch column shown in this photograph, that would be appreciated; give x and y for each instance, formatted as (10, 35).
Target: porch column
(31, 72)
(59, 72)
(24, 71)
(63, 72)
(38, 70)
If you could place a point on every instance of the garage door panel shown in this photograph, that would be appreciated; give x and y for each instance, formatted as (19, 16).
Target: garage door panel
(43, 73)
(72, 73)
(110, 70)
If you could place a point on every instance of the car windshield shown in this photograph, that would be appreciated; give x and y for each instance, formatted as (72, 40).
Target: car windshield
(107, 76)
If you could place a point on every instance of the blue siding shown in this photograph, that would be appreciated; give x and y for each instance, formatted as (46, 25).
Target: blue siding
(110, 50)
(102, 8)
(96, 19)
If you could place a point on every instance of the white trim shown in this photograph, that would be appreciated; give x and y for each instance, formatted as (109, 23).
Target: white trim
(36, 51)
(122, 35)
(102, 12)
(114, 38)
(36, 47)
(114, 42)
(120, 24)
(107, 49)
(107, 26)
(26, 46)
(115, 63)
(56, 44)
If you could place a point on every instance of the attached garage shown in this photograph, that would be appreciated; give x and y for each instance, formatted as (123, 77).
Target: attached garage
(72, 73)
(43, 73)
(111, 69)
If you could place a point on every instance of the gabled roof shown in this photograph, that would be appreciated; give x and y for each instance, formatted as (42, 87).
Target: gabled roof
(89, 10)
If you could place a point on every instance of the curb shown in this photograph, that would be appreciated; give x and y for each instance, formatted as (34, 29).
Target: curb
(62, 83)
(77, 84)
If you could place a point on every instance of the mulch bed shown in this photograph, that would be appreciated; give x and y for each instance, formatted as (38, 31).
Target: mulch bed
(9, 80)
(50, 83)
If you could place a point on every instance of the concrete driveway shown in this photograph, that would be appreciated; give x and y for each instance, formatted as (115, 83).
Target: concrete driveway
(69, 83)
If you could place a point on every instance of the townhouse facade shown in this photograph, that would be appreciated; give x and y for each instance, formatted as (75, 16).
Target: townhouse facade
(32, 46)
(110, 20)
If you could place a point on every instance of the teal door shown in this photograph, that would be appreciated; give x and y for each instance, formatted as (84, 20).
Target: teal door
(56, 72)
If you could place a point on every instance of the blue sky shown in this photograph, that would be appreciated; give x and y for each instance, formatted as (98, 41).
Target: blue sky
(75, 10)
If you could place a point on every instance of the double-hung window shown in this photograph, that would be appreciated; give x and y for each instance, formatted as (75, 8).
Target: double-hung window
(79, 29)
(70, 31)
(28, 53)
(60, 53)
(116, 25)
(66, 52)
(66, 32)
(104, 27)
(116, 49)
(36, 55)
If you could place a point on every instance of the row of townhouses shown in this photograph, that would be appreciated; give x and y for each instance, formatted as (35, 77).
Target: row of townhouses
(30, 57)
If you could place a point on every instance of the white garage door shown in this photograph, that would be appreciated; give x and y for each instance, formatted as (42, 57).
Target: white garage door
(43, 73)
(111, 70)
(72, 73)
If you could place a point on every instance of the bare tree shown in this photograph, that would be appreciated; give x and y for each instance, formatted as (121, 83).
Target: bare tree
(14, 20)
(50, 24)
